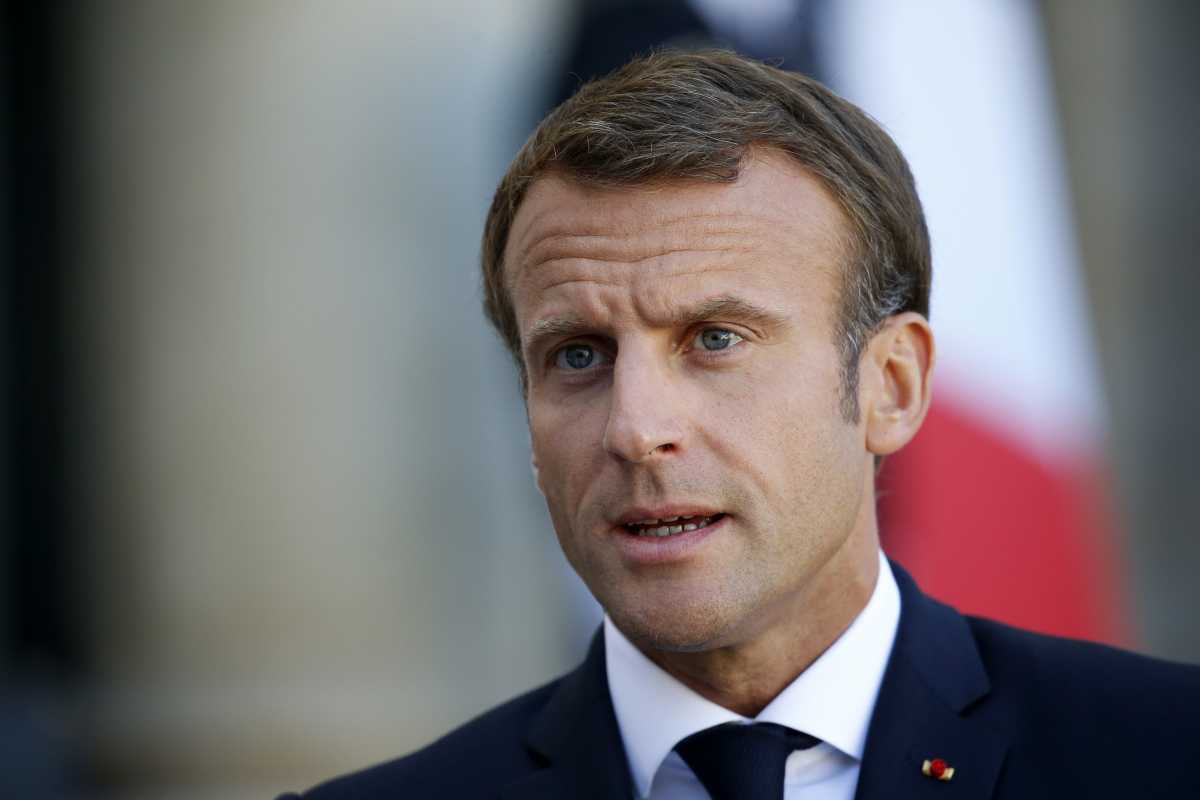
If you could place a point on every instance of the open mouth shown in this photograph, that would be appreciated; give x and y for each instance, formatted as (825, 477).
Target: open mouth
(670, 526)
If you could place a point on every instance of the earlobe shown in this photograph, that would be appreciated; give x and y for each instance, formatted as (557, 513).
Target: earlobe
(901, 357)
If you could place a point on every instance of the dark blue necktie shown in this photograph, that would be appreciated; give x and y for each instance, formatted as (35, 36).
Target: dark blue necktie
(743, 762)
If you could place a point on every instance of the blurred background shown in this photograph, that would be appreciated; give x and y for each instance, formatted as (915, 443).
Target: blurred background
(266, 511)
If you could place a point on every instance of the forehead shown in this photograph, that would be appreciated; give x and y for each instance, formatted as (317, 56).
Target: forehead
(775, 222)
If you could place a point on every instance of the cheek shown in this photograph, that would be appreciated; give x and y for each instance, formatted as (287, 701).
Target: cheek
(564, 444)
(564, 451)
(781, 425)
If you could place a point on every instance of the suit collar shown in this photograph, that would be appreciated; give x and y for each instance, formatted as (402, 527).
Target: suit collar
(833, 699)
(935, 677)
(936, 641)
(576, 735)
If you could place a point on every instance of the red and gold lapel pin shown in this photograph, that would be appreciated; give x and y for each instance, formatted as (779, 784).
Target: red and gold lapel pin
(937, 768)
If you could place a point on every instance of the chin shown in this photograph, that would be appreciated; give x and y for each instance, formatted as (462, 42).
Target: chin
(680, 629)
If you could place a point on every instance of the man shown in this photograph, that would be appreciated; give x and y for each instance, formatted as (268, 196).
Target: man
(714, 278)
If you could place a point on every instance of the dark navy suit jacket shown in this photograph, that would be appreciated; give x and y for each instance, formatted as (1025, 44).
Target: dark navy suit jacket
(1018, 715)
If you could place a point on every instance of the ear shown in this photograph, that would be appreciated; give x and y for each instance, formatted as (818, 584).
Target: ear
(895, 381)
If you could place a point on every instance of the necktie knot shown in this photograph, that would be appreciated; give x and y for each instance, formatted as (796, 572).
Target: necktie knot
(743, 762)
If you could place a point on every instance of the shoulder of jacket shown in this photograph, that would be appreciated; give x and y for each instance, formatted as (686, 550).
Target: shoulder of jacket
(1073, 674)
(486, 749)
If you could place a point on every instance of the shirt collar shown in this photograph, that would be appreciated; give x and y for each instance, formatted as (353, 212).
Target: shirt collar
(832, 699)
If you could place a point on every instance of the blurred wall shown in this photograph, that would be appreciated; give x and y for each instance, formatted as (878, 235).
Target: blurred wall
(1130, 99)
(313, 540)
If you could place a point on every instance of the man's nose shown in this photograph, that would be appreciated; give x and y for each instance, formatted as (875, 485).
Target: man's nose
(646, 415)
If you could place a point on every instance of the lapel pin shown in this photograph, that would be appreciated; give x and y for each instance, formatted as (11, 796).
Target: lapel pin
(937, 768)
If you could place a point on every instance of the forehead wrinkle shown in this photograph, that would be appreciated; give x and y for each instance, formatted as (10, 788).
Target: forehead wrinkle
(638, 260)
(628, 221)
(706, 270)
(644, 238)
(567, 281)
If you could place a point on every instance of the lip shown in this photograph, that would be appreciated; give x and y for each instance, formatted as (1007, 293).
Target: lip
(656, 550)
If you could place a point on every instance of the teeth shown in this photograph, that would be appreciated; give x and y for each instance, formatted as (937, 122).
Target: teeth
(649, 528)
(659, 521)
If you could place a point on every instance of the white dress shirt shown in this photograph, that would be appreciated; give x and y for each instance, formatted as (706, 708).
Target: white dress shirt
(831, 700)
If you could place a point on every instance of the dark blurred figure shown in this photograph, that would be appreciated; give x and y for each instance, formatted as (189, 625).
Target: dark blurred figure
(611, 32)
(38, 641)
(36, 751)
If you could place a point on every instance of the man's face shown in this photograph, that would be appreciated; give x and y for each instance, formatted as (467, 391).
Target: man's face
(679, 345)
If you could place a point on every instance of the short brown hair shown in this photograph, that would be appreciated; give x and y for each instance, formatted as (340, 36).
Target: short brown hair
(676, 115)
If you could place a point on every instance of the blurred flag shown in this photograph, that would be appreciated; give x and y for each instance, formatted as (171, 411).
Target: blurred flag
(999, 506)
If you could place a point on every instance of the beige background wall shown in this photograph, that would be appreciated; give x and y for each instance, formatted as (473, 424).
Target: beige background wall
(313, 537)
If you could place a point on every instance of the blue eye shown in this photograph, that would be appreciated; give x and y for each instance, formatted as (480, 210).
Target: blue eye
(575, 356)
(716, 339)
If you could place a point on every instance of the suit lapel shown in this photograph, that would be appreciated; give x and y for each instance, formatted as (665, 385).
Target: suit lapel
(933, 680)
(576, 735)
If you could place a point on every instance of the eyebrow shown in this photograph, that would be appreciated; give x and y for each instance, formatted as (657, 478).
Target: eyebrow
(553, 327)
(724, 307)
(727, 307)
